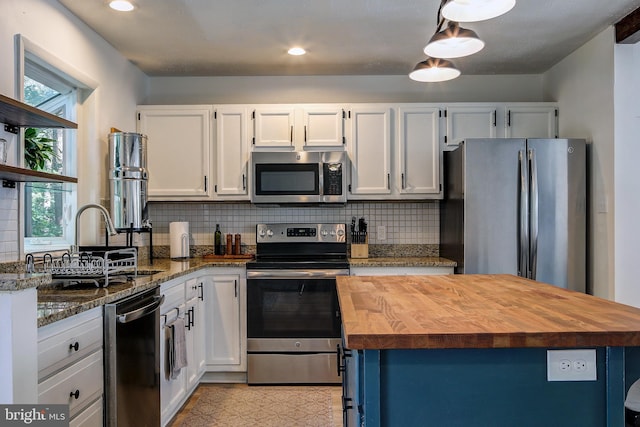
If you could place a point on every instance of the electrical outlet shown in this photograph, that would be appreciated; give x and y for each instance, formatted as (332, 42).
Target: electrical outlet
(381, 232)
(571, 365)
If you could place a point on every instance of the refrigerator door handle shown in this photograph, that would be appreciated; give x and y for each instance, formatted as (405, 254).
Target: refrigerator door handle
(533, 191)
(523, 212)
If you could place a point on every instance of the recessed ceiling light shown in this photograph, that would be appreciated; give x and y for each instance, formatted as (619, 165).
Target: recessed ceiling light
(121, 5)
(296, 51)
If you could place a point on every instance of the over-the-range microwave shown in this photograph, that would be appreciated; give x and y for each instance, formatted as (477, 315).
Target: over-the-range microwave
(308, 177)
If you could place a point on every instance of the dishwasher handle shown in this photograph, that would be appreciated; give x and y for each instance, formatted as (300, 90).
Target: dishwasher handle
(142, 311)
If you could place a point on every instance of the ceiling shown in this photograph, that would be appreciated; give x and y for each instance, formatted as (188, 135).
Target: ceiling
(342, 37)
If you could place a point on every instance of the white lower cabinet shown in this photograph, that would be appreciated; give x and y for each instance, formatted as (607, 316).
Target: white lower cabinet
(70, 366)
(90, 417)
(195, 334)
(225, 318)
(212, 306)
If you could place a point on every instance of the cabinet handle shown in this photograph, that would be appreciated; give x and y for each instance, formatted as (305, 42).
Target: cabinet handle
(402, 180)
(509, 118)
(201, 296)
(388, 183)
(75, 346)
(345, 404)
(192, 317)
(75, 394)
(205, 184)
(244, 185)
(495, 117)
(341, 355)
(305, 134)
(235, 288)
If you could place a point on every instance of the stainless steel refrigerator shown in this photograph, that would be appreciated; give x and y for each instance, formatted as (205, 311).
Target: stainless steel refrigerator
(517, 206)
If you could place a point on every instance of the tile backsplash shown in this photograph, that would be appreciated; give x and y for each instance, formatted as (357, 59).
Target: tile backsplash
(8, 224)
(406, 223)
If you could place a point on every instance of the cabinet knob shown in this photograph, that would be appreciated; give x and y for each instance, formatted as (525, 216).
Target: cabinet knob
(75, 394)
(75, 346)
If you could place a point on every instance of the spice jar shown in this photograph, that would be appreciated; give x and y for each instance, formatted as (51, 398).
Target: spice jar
(229, 244)
(236, 245)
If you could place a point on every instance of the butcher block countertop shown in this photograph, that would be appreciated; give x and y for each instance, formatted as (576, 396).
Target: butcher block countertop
(477, 311)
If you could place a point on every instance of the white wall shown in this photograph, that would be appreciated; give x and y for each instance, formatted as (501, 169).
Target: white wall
(582, 84)
(626, 155)
(121, 86)
(308, 89)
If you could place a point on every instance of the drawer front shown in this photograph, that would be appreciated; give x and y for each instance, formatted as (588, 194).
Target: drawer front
(191, 289)
(59, 347)
(89, 417)
(173, 296)
(75, 386)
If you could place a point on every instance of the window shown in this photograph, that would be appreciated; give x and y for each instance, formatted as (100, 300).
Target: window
(48, 206)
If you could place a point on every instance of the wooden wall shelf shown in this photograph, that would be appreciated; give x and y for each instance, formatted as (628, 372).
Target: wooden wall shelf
(11, 174)
(15, 114)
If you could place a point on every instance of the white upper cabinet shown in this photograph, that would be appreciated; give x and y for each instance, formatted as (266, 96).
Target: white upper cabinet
(419, 154)
(370, 151)
(531, 121)
(470, 121)
(232, 153)
(178, 150)
(273, 127)
(323, 126)
(299, 127)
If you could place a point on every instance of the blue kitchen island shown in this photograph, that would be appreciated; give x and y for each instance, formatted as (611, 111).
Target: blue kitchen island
(471, 350)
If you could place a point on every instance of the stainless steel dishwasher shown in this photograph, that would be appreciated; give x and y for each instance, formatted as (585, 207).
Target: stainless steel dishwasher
(132, 360)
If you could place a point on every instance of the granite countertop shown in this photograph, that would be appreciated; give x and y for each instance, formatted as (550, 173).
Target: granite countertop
(477, 311)
(402, 262)
(20, 281)
(56, 302)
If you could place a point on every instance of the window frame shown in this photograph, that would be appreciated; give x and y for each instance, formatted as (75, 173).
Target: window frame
(65, 103)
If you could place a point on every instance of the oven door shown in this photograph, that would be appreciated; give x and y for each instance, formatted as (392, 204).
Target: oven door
(293, 327)
(292, 307)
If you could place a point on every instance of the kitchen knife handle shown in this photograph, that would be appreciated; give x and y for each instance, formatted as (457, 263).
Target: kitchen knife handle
(533, 191)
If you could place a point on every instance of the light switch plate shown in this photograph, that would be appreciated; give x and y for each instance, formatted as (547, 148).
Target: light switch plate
(571, 365)
(381, 233)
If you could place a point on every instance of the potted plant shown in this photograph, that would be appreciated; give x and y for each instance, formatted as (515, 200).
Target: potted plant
(38, 149)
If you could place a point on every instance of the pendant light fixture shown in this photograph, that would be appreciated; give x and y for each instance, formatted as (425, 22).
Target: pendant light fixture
(475, 10)
(434, 70)
(453, 42)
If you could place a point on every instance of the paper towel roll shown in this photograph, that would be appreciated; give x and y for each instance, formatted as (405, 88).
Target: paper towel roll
(179, 239)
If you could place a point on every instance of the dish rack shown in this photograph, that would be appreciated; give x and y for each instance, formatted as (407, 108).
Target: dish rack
(87, 267)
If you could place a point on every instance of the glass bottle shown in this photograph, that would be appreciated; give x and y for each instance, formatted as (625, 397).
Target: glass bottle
(217, 244)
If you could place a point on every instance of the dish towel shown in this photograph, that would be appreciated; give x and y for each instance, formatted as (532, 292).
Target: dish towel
(179, 347)
(169, 355)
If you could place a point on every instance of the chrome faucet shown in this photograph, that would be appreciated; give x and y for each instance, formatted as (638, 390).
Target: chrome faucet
(111, 229)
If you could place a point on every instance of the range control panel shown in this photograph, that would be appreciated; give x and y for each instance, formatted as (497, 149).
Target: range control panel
(282, 233)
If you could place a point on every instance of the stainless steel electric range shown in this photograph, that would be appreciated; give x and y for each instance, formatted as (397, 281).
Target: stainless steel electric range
(293, 318)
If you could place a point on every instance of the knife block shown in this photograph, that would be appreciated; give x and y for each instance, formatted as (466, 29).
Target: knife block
(360, 250)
